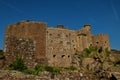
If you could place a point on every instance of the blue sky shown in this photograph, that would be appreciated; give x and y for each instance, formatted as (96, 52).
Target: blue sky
(103, 15)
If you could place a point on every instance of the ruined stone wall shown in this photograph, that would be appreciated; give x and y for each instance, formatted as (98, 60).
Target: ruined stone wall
(52, 46)
(84, 39)
(62, 43)
(60, 46)
(16, 47)
(35, 31)
(101, 40)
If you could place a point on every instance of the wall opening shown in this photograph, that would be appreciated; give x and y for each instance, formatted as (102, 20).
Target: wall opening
(50, 34)
(105, 41)
(66, 35)
(90, 44)
(100, 50)
(63, 56)
(59, 35)
(61, 42)
(97, 42)
(74, 49)
(72, 40)
(68, 56)
(54, 56)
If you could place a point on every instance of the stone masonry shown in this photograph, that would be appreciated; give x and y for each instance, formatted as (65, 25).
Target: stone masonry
(39, 44)
(20, 47)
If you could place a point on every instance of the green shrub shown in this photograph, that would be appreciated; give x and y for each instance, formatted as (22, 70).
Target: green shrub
(34, 72)
(2, 55)
(90, 49)
(56, 70)
(87, 50)
(71, 68)
(86, 55)
(107, 52)
(1, 52)
(39, 68)
(48, 68)
(117, 63)
(52, 69)
(18, 64)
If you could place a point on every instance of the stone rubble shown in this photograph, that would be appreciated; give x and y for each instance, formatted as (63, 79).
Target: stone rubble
(71, 75)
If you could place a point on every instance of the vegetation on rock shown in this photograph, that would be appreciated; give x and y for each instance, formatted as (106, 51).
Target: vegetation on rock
(2, 54)
(99, 62)
(18, 64)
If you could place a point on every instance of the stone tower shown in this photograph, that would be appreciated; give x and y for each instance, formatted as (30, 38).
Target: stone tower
(27, 39)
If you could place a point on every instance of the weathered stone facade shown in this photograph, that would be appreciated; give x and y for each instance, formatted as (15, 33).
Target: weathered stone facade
(49, 46)
(17, 47)
(62, 44)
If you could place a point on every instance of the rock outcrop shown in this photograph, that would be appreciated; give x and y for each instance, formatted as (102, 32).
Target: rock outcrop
(15, 75)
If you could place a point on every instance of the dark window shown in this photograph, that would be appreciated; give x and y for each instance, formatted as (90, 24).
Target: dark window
(72, 40)
(50, 34)
(62, 56)
(54, 56)
(61, 42)
(68, 56)
(105, 41)
(58, 35)
(100, 50)
(66, 35)
(90, 44)
(82, 34)
(97, 42)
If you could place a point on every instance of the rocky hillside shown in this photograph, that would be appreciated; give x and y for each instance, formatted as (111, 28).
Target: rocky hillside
(116, 61)
(65, 75)
(91, 64)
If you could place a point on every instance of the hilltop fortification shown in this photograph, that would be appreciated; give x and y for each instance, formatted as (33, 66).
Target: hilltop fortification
(39, 44)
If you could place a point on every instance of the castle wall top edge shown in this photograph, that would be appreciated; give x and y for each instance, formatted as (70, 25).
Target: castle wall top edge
(44, 23)
(27, 22)
(100, 34)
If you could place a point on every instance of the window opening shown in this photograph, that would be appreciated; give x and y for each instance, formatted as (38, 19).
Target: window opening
(54, 56)
(62, 56)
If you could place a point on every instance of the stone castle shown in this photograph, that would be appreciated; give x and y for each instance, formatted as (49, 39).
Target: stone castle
(39, 44)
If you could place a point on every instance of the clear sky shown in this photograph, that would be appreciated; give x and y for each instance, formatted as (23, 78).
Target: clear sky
(103, 15)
